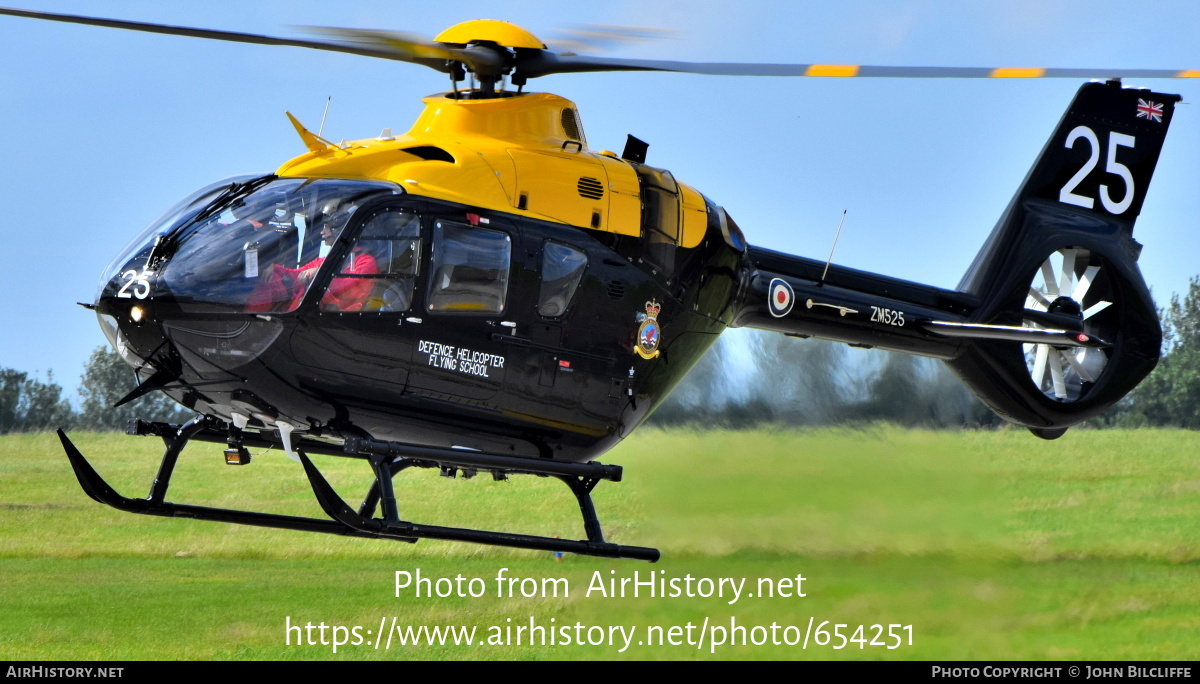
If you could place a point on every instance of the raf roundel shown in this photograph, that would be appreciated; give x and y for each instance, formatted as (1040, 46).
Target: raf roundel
(781, 298)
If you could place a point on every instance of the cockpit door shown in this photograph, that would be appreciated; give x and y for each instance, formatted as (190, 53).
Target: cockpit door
(353, 321)
(473, 293)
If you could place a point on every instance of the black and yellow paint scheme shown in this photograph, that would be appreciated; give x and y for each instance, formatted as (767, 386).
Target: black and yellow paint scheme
(486, 293)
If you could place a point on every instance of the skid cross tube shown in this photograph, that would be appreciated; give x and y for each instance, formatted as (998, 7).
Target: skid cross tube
(581, 478)
(367, 508)
(158, 488)
(387, 459)
(337, 509)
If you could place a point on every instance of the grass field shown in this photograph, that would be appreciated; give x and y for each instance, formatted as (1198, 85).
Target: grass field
(991, 545)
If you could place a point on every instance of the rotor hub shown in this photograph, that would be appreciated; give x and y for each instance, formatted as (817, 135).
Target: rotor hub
(501, 33)
(1066, 306)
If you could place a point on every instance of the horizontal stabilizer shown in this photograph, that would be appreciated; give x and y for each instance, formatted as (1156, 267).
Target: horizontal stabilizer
(980, 331)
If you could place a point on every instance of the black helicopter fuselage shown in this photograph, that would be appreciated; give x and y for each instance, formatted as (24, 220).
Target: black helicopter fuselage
(351, 308)
(544, 375)
(355, 318)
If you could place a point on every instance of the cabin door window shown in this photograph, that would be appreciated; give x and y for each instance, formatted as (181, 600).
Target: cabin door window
(562, 270)
(469, 269)
(379, 272)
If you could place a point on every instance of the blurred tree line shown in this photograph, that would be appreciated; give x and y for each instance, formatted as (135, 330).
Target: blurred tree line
(748, 378)
(28, 404)
(752, 377)
(1170, 396)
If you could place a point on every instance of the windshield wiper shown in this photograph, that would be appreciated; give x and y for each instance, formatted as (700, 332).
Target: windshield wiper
(164, 246)
(230, 195)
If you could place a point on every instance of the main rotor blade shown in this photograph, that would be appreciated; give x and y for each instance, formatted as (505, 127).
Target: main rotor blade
(402, 48)
(230, 36)
(547, 63)
(408, 47)
(596, 38)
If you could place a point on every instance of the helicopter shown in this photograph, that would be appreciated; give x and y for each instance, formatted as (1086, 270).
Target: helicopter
(486, 293)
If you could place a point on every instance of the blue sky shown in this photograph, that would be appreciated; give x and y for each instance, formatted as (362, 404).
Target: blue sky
(104, 129)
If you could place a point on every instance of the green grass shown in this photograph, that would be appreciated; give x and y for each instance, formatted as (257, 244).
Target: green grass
(992, 545)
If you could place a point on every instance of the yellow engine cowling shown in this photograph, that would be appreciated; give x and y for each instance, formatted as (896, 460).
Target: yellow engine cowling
(524, 154)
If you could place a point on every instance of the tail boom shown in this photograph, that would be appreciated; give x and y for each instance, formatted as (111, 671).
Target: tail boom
(859, 308)
(1053, 322)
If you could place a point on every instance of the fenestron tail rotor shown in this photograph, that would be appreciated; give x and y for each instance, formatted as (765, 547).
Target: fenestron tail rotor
(494, 49)
(1072, 282)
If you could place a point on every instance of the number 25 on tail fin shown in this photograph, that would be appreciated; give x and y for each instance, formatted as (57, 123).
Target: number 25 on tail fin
(1064, 251)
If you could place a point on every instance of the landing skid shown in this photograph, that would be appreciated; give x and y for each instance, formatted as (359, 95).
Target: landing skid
(387, 459)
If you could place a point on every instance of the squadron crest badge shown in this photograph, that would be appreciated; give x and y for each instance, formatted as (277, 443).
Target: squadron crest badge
(649, 333)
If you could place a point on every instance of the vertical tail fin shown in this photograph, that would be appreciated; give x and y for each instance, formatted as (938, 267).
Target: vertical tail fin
(1063, 255)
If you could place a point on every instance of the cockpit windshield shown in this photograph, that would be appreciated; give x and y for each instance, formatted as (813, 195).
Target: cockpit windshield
(135, 254)
(254, 246)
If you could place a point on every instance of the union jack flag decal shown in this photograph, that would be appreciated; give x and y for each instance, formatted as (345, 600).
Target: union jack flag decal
(1150, 110)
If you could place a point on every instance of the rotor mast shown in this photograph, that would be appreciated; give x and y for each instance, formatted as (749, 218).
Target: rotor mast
(489, 49)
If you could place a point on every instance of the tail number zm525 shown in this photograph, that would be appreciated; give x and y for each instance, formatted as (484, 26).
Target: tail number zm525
(1111, 165)
(887, 316)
